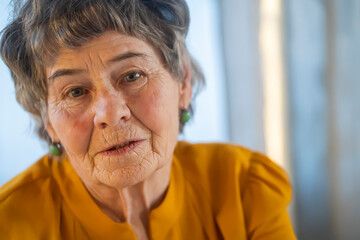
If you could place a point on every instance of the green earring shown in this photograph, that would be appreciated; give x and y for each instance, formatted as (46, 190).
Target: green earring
(185, 117)
(55, 149)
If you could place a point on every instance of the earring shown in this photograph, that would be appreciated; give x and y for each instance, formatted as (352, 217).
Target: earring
(55, 149)
(185, 116)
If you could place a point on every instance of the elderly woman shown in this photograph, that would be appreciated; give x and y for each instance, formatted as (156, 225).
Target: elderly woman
(110, 84)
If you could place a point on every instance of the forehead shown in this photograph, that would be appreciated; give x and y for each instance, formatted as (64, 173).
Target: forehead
(104, 48)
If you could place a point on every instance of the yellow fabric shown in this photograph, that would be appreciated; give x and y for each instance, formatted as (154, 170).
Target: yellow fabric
(216, 191)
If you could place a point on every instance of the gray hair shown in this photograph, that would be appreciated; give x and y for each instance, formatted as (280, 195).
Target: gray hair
(41, 27)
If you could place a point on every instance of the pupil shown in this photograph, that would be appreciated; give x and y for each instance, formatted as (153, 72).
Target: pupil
(132, 77)
(77, 92)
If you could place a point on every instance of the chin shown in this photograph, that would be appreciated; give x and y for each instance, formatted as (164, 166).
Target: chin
(127, 176)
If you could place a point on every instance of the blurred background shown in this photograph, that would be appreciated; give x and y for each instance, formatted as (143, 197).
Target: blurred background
(282, 78)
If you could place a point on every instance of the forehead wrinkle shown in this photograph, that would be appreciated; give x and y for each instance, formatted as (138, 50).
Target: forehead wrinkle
(95, 65)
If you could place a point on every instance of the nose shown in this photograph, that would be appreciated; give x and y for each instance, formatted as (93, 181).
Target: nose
(110, 109)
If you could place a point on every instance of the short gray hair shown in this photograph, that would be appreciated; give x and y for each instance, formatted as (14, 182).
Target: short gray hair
(41, 27)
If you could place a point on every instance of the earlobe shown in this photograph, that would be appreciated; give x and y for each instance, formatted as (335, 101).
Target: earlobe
(51, 131)
(185, 87)
(55, 147)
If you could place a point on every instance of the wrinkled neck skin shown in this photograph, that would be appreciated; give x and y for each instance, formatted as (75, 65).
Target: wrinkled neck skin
(134, 203)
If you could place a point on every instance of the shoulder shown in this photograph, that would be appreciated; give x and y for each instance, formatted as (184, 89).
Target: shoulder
(207, 155)
(268, 177)
(28, 198)
(227, 161)
(31, 177)
(242, 186)
(265, 199)
(234, 165)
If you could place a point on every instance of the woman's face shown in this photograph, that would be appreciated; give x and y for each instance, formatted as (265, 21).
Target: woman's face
(114, 107)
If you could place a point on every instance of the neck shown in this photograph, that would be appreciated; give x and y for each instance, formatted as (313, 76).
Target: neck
(133, 204)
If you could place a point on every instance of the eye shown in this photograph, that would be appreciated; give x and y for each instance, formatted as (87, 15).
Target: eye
(76, 92)
(132, 76)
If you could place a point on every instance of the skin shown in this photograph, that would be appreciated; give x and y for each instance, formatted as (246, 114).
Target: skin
(112, 90)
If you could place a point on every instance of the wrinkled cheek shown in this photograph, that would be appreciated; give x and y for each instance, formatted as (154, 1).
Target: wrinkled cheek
(78, 136)
(153, 111)
(74, 132)
(157, 110)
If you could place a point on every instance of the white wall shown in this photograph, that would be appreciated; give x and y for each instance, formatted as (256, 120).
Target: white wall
(19, 146)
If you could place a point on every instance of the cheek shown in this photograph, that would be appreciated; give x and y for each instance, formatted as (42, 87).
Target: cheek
(157, 109)
(73, 131)
(154, 100)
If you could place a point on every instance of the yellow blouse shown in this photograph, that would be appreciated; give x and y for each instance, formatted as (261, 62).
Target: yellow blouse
(216, 191)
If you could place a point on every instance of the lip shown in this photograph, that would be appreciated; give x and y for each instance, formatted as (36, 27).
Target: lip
(118, 149)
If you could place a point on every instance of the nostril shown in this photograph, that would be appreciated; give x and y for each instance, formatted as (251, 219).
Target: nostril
(103, 125)
(110, 110)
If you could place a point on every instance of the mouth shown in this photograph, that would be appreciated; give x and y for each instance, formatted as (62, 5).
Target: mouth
(125, 144)
(122, 148)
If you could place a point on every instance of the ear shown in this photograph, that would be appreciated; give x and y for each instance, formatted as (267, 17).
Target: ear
(185, 88)
(51, 131)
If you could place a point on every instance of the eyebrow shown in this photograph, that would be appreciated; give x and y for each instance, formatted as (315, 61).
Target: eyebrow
(127, 55)
(65, 72)
(71, 72)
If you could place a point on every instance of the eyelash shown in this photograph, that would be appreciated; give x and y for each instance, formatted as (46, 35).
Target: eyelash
(134, 72)
(122, 81)
(68, 93)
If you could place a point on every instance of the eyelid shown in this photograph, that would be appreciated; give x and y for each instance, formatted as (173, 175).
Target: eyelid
(134, 71)
(123, 76)
(68, 92)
